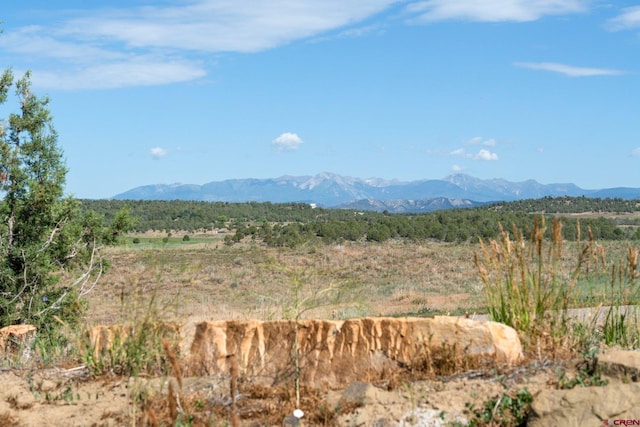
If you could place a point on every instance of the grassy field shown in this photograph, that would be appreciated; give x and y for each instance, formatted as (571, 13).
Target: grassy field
(203, 278)
(206, 279)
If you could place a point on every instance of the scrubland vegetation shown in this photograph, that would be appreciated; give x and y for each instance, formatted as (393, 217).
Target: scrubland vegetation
(516, 275)
(529, 278)
(530, 273)
(523, 263)
(67, 266)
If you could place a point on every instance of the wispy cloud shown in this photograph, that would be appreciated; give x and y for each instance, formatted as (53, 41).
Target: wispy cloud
(635, 152)
(108, 48)
(287, 142)
(629, 18)
(480, 140)
(158, 152)
(140, 71)
(493, 10)
(372, 29)
(569, 70)
(483, 154)
(222, 26)
(460, 152)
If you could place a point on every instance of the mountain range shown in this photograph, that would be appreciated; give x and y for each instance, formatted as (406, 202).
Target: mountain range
(336, 191)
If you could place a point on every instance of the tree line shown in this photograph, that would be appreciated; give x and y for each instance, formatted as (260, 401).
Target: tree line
(459, 225)
(566, 204)
(293, 224)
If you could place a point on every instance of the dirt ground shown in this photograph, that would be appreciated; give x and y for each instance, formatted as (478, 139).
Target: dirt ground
(58, 397)
(72, 397)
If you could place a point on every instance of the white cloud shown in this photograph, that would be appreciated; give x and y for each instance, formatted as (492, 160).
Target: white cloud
(635, 152)
(219, 26)
(374, 29)
(493, 10)
(158, 152)
(460, 152)
(361, 31)
(116, 45)
(483, 154)
(629, 18)
(42, 42)
(137, 72)
(490, 143)
(475, 140)
(479, 140)
(486, 155)
(287, 142)
(77, 66)
(569, 70)
(457, 168)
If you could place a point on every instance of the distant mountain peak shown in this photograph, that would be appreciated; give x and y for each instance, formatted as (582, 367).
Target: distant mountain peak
(461, 179)
(331, 190)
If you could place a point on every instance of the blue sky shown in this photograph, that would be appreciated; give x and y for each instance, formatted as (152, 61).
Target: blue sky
(192, 91)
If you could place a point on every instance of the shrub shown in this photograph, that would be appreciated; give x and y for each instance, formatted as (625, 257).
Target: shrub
(508, 409)
(527, 285)
(523, 282)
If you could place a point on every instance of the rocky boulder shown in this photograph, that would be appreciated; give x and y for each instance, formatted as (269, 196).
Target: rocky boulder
(334, 353)
(613, 404)
(620, 364)
(588, 406)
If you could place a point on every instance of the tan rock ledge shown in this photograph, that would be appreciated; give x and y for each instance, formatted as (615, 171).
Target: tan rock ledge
(334, 353)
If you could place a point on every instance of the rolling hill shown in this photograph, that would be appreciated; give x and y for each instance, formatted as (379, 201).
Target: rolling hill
(336, 191)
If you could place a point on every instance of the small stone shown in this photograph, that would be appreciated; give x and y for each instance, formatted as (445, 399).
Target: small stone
(359, 393)
(383, 422)
(291, 421)
(47, 386)
(620, 364)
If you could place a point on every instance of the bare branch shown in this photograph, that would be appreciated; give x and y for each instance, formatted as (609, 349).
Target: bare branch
(95, 263)
(55, 230)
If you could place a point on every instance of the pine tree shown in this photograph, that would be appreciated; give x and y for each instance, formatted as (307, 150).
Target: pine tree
(48, 250)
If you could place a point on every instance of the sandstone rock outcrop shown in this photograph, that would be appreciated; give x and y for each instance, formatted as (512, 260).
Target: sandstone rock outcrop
(335, 353)
(16, 338)
(103, 338)
(589, 406)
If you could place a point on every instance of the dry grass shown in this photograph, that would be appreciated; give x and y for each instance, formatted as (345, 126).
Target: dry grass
(395, 278)
(218, 282)
(249, 281)
(531, 283)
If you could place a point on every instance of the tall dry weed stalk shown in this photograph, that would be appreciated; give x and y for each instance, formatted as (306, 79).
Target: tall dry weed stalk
(622, 322)
(524, 284)
(527, 285)
(233, 385)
